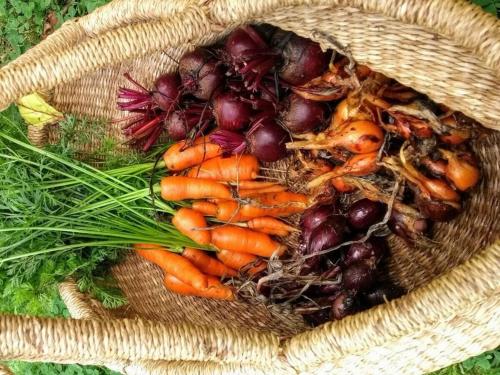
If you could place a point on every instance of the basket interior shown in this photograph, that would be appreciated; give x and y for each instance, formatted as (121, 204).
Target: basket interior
(94, 96)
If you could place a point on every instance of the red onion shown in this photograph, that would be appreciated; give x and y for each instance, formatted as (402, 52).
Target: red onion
(372, 250)
(382, 293)
(436, 210)
(345, 304)
(364, 213)
(407, 227)
(358, 276)
(302, 115)
(313, 217)
(303, 61)
(200, 73)
(318, 317)
(331, 274)
(328, 234)
(231, 113)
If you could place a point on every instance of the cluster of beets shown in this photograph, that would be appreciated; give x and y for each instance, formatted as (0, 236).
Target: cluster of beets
(244, 87)
(352, 269)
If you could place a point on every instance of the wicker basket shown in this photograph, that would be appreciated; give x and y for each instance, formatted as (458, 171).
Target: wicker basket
(446, 49)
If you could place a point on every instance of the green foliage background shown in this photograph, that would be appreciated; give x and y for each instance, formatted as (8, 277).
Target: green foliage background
(21, 25)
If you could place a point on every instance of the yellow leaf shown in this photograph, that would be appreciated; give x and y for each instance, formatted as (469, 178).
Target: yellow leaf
(36, 111)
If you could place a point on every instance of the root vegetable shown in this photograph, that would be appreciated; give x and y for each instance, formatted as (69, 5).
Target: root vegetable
(234, 238)
(206, 208)
(233, 168)
(358, 165)
(371, 250)
(192, 224)
(345, 304)
(359, 137)
(301, 115)
(173, 264)
(251, 264)
(207, 264)
(266, 140)
(364, 213)
(177, 188)
(181, 156)
(359, 276)
(303, 61)
(214, 290)
(230, 112)
(270, 225)
(201, 74)
(461, 170)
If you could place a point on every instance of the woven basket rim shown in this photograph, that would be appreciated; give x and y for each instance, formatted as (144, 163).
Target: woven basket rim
(123, 18)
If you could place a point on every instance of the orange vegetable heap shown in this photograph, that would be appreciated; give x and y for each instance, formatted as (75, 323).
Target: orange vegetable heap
(245, 207)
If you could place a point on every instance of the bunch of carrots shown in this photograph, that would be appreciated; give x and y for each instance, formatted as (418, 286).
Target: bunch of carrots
(233, 211)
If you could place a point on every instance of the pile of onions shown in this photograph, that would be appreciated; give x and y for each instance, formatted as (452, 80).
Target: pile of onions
(351, 271)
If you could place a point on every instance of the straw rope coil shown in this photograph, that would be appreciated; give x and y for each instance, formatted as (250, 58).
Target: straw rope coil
(447, 49)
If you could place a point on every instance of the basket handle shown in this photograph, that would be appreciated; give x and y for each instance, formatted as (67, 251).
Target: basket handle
(117, 340)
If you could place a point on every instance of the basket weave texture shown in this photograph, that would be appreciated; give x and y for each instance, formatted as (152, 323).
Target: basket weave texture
(446, 49)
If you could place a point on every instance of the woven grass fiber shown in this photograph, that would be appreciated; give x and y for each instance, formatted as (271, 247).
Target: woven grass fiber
(446, 49)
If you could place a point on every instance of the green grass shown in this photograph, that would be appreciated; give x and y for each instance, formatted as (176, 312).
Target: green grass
(490, 6)
(484, 364)
(21, 21)
(21, 25)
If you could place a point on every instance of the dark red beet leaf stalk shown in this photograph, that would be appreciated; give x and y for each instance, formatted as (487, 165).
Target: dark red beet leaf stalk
(250, 56)
(149, 108)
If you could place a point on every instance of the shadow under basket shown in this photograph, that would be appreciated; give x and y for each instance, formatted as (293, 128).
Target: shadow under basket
(452, 310)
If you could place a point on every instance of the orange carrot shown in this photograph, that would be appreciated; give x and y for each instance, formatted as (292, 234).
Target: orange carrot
(280, 199)
(176, 188)
(207, 264)
(233, 168)
(234, 238)
(270, 225)
(230, 211)
(215, 289)
(173, 264)
(238, 261)
(179, 157)
(251, 184)
(192, 224)
(247, 193)
(206, 208)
